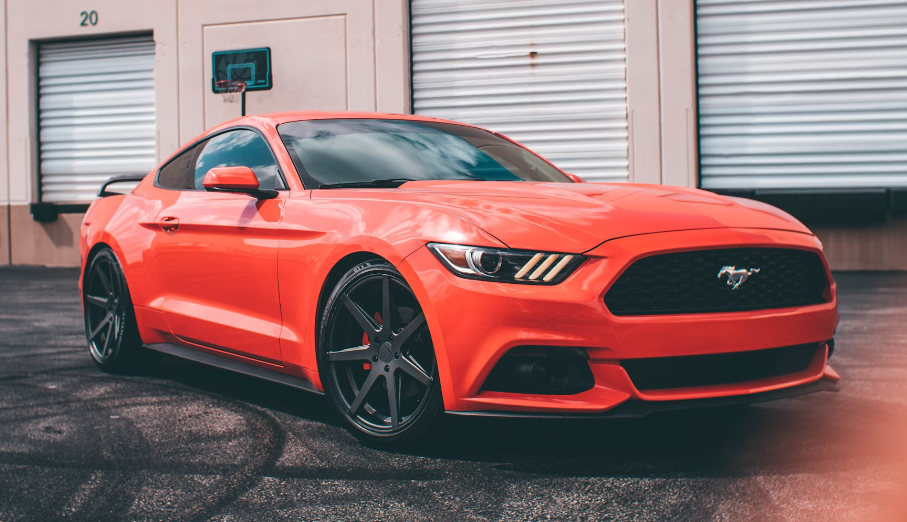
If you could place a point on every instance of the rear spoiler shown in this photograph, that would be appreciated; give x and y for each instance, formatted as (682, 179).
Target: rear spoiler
(125, 178)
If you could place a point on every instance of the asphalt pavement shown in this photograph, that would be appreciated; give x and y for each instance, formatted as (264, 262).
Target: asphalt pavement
(187, 442)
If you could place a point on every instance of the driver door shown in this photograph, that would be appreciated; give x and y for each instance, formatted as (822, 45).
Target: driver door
(216, 253)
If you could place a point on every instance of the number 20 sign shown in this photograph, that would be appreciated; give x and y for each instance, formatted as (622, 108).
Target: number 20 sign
(89, 18)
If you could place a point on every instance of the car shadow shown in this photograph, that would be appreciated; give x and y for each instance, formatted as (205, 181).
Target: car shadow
(806, 434)
(789, 436)
(690, 443)
(235, 386)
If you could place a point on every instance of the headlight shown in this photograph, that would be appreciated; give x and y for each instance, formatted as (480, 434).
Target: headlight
(506, 266)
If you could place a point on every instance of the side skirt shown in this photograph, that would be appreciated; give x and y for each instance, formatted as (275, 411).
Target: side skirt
(234, 366)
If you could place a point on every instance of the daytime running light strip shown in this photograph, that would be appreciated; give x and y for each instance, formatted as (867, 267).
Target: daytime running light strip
(557, 268)
(544, 266)
(528, 266)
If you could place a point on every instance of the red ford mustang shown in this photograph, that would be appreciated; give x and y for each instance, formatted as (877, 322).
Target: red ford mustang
(408, 266)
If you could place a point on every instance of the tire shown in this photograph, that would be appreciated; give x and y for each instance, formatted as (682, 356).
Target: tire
(382, 380)
(110, 327)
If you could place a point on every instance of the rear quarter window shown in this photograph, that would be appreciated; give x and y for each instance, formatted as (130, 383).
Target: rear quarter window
(176, 174)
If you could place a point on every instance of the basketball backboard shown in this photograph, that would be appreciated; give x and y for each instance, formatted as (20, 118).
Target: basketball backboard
(252, 66)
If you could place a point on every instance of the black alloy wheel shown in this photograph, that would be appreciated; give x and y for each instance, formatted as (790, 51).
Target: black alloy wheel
(377, 361)
(110, 326)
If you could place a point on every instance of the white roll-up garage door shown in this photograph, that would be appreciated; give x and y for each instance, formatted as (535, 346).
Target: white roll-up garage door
(550, 74)
(96, 105)
(803, 94)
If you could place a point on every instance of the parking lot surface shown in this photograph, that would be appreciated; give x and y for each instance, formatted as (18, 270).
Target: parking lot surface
(186, 442)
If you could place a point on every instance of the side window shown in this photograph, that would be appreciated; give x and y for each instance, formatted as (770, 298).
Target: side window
(239, 148)
(176, 174)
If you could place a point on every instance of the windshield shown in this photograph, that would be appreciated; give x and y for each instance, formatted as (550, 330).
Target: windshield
(328, 152)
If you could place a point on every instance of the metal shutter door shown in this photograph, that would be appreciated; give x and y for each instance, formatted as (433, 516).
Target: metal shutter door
(96, 110)
(548, 73)
(803, 94)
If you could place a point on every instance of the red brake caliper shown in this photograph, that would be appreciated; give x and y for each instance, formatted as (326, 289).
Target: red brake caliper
(368, 365)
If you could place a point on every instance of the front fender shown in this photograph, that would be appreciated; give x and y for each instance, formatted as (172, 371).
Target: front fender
(317, 233)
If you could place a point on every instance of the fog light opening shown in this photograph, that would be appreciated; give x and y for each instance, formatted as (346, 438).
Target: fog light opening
(542, 370)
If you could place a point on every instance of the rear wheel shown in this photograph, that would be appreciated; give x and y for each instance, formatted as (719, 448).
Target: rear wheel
(377, 361)
(113, 337)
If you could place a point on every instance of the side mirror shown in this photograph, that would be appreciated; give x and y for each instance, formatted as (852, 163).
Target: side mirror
(575, 178)
(235, 179)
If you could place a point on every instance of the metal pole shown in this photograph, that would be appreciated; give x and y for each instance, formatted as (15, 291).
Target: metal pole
(243, 103)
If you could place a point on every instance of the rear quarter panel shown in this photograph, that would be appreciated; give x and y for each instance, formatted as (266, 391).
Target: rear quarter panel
(123, 223)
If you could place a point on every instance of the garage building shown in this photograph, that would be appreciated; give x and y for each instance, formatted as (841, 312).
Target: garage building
(802, 104)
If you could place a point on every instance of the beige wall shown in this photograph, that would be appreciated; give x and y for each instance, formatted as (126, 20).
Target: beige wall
(4, 157)
(677, 90)
(326, 55)
(48, 244)
(315, 80)
(4, 235)
(4, 166)
(661, 90)
(880, 247)
(642, 91)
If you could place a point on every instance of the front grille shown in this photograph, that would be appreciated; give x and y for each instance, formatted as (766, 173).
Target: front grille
(661, 373)
(688, 282)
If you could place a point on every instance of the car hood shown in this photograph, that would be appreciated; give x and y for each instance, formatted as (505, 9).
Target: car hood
(577, 217)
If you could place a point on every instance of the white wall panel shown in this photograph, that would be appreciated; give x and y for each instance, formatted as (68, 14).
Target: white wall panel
(802, 94)
(550, 74)
(96, 114)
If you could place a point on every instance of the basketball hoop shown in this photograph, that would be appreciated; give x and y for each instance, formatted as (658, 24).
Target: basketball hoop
(230, 90)
(238, 71)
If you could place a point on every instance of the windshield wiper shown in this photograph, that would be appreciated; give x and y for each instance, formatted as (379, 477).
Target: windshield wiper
(375, 183)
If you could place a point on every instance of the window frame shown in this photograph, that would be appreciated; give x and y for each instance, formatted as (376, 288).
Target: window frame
(198, 142)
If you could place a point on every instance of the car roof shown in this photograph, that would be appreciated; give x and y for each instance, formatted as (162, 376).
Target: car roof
(278, 118)
(285, 117)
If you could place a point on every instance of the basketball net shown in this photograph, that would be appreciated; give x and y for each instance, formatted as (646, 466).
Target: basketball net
(230, 90)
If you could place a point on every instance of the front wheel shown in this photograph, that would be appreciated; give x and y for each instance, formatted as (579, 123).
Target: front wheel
(376, 357)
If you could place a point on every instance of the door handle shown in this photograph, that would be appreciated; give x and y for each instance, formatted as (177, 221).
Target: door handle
(170, 224)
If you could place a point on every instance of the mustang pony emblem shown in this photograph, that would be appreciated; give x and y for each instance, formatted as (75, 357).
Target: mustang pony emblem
(735, 277)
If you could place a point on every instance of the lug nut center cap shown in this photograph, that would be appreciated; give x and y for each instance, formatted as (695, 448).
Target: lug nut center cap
(386, 352)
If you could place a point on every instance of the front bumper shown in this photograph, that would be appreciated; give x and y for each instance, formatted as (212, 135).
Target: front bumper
(474, 323)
